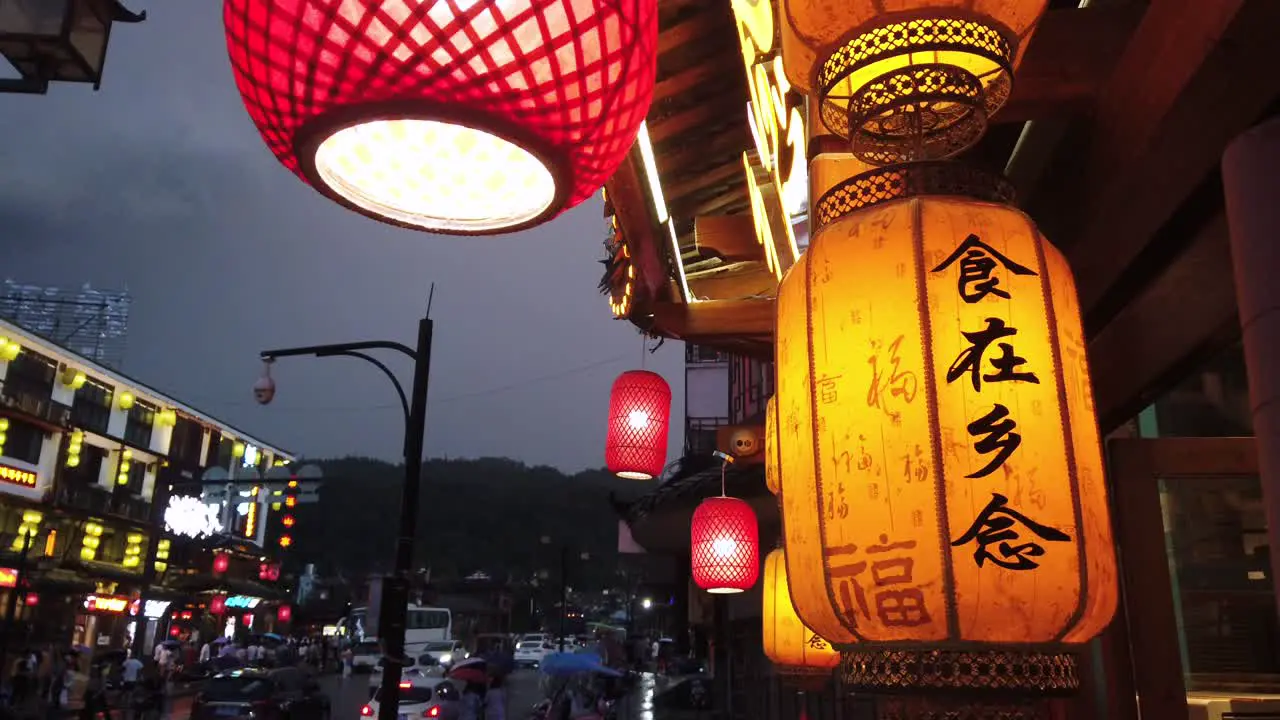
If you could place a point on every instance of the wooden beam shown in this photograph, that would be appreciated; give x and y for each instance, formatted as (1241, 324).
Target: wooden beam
(1071, 56)
(630, 199)
(1187, 313)
(707, 23)
(715, 318)
(686, 80)
(729, 237)
(711, 110)
(709, 176)
(1191, 79)
(744, 280)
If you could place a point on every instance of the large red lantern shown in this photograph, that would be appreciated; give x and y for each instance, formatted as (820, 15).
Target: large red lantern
(639, 413)
(217, 604)
(725, 543)
(457, 117)
(284, 614)
(220, 563)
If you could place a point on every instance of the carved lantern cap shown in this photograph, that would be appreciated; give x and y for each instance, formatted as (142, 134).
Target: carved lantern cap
(907, 79)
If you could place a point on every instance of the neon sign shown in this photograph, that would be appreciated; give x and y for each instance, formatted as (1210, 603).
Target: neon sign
(17, 476)
(243, 601)
(106, 603)
(189, 516)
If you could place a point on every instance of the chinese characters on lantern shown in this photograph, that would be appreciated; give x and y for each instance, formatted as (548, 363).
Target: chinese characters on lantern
(894, 593)
(994, 433)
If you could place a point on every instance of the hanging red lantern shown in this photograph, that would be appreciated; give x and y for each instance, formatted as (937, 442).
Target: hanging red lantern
(725, 543)
(639, 413)
(247, 619)
(284, 614)
(220, 563)
(462, 118)
(217, 604)
(32, 599)
(286, 541)
(287, 521)
(175, 631)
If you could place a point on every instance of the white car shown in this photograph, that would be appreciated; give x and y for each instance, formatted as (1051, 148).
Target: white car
(422, 696)
(529, 653)
(365, 656)
(446, 652)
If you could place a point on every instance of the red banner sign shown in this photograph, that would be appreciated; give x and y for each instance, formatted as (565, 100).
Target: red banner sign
(17, 476)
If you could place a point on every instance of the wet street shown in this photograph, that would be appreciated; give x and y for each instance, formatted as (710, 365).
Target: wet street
(350, 694)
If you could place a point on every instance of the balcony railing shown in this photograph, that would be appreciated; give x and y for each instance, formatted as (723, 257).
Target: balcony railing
(94, 499)
(17, 397)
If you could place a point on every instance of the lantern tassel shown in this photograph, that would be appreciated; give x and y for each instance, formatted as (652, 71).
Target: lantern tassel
(804, 707)
(724, 469)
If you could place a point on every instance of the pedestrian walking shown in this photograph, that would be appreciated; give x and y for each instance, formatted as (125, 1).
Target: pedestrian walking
(495, 700)
(95, 696)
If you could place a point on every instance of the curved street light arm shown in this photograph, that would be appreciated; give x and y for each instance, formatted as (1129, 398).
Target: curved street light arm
(404, 401)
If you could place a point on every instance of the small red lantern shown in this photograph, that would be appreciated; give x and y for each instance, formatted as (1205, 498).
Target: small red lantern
(247, 619)
(284, 614)
(725, 545)
(287, 521)
(220, 563)
(291, 501)
(286, 541)
(32, 599)
(457, 117)
(639, 414)
(268, 571)
(175, 631)
(217, 604)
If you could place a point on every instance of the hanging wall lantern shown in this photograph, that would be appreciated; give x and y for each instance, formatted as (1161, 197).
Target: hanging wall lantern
(907, 77)
(725, 545)
(284, 614)
(217, 604)
(220, 563)
(463, 118)
(796, 651)
(958, 478)
(639, 414)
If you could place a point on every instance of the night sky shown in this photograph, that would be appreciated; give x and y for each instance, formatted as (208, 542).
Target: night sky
(159, 184)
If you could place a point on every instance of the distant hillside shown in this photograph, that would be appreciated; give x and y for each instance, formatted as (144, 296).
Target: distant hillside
(487, 514)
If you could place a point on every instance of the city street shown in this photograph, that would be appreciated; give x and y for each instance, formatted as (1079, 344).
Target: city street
(348, 695)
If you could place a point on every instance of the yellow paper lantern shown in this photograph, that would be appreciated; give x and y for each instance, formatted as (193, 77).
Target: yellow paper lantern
(889, 70)
(942, 476)
(794, 649)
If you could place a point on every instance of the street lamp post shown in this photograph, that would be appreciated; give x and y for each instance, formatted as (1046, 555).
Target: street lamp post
(564, 583)
(395, 597)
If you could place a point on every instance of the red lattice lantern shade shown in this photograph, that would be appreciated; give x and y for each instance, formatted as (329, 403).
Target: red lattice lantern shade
(639, 413)
(217, 604)
(450, 116)
(220, 563)
(725, 543)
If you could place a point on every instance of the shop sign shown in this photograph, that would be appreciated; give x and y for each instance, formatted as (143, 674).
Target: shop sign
(17, 476)
(155, 608)
(190, 517)
(243, 601)
(777, 124)
(8, 578)
(106, 603)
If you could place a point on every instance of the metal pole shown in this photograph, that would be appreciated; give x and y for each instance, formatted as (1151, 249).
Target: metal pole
(159, 501)
(564, 590)
(395, 602)
(11, 607)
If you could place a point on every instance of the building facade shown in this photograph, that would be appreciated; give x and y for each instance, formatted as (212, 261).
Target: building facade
(90, 464)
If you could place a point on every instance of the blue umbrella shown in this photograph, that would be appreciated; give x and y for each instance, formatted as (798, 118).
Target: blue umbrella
(561, 664)
(272, 636)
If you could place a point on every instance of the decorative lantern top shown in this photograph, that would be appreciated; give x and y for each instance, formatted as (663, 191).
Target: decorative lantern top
(725, 542)
(639, 414)
(452, 117)
(906, 79)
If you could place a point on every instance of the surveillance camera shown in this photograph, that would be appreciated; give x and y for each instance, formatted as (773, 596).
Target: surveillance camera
(264, 391)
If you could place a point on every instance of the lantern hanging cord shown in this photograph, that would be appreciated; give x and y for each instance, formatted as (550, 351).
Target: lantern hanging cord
(724, 469)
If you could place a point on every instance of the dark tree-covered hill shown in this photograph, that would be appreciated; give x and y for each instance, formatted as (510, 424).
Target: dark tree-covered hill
(475, 515)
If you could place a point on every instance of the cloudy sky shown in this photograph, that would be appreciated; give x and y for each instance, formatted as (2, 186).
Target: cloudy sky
(159, 183)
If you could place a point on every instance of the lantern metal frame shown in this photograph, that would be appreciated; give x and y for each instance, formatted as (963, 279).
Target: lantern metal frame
(312, 134)
(40, 58)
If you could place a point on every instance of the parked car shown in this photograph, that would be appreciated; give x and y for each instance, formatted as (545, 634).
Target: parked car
(426, 666)
(529, 653)
(365, 656)
(256, 694)
(422, 696)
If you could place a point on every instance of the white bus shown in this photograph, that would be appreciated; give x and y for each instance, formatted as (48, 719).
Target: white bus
(422, 625)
